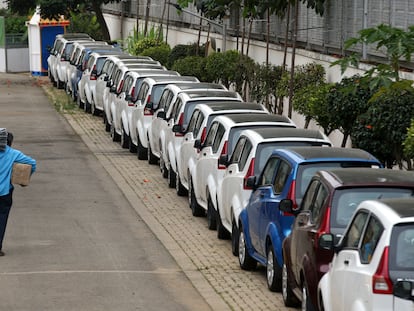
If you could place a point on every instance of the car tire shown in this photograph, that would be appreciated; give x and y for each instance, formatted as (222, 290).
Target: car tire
(211, 215)
(179, 188)
(152, 159)
(79, 102)
(245, 260)
(59, 84)
(289, 298)
(273, 271)
(114, 135)
(67, 90)
(107, 125)
(163, 167)
(141, 150)
(171, 178)
(87, 107)
(196, 209)
(306, 302)
(234, 239)
(132, 146)
(124, 138)
(222, 232)
(94, 111)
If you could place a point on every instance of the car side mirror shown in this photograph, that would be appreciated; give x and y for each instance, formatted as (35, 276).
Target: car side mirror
(403, 289)
(94, 72)
(177, 128)
(223, 160)
(197, 144)
(106, 79)
(286, 205)
(112, 89)
(161, 114)
(251, 182)
(128, 98)
(326, 241)
(149, 106)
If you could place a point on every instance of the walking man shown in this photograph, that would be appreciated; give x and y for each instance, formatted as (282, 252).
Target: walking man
(8, 156)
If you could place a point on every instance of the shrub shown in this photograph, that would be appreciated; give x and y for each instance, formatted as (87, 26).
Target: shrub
(159, 53)
(192, 66)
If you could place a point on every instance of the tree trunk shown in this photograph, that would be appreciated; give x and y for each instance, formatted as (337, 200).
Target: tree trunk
(147, 9)
(344, 140)
(101, 20)
(248, 36)
(292, 69)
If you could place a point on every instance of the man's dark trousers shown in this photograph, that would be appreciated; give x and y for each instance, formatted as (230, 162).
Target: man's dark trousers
(5, 205)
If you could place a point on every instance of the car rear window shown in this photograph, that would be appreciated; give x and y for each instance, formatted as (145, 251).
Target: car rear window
(345, 201)
(401, 263)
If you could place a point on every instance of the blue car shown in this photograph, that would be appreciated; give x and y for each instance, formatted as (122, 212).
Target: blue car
(286, 175)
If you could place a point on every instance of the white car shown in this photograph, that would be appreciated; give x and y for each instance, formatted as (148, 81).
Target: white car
(105, 73)
(126, 100)
(376, 251)
(181, 111)
(161, 116)
(202, 117)
(87, 83)
(149, 94)
(221, 138)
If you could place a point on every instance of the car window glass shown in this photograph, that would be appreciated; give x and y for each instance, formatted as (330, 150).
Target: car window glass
(318, 204)
(235, 156)
(269, 171)
(198, 124)
(245, 154)
(402, 247)
(193, 121)
(370, 239)
(218, 138)
(176, 109)
(281, 177)
(313, 187)
(352, 237)
(211, 134)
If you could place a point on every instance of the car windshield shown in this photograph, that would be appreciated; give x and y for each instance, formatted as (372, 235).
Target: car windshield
(264, 150)
(402, 250)
(156, 93)
(345, 201)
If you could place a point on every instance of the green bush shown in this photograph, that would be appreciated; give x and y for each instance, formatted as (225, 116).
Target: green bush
(409, 142)
(159, 53)
(85, 22)
(222, 67)
(15, 24)
(192, 66)
(183, 50)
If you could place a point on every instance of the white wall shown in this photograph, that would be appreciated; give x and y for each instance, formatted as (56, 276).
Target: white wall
(257, 51)
(2, 60)
(18, 60)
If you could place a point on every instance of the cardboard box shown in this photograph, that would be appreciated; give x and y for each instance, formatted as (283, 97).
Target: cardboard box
(21, 174)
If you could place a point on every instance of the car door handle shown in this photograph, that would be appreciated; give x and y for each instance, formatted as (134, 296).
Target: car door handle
(230, 172)
(346, 262)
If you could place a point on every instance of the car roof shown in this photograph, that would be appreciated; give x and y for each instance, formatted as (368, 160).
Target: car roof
(73, 35)
(196, 93)
(155, 72)
(403, 207)
(286, 132)
(319, 153)
(241, 118)
(198, 85)
(226, 105)
(367, 177)
(164, 78)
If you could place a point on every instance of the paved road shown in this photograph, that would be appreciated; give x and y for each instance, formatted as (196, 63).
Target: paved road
(206, 261)
(73, 241)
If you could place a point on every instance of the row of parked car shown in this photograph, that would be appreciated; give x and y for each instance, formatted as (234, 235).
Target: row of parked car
(334, 229)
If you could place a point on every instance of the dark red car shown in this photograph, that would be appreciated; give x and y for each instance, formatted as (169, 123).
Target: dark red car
(327, 207)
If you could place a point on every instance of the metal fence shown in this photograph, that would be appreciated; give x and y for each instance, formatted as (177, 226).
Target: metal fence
(326, 34)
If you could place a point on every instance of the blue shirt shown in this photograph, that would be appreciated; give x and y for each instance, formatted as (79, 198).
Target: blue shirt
(7, 158)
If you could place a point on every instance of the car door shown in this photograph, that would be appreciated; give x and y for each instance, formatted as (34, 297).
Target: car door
(339, 282)
(259, 197)
(158, 123)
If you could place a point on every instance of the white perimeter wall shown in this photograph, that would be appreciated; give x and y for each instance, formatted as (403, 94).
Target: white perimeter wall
(257, 51)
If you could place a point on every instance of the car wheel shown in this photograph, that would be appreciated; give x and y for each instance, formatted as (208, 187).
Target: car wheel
(141, 150)
(288, 296)
(124, 138)
(306, 302)
(79, 102)
(273, 271)
(152, 159)
(114, 135)
(59, 84)
(179, 188)
(107, 125)
(245, 260)
(67, 89)
(234, 239)
(73, 95)
(196, 209)
(171, 178)
(211, 215)
(222, 232)
(132, 146)
(163, 167)
(94, 111)
(87, 107)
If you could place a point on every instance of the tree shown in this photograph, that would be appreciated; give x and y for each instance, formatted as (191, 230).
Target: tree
(53, 9)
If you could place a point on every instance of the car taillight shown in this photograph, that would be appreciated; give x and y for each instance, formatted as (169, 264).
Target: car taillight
(223, 152)
(250, 172)
(147, 110)
(381, 282)
(120, 86)
(93, 74)
(292, 196)
(133, 92)
(180, 122)
(203, 135)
